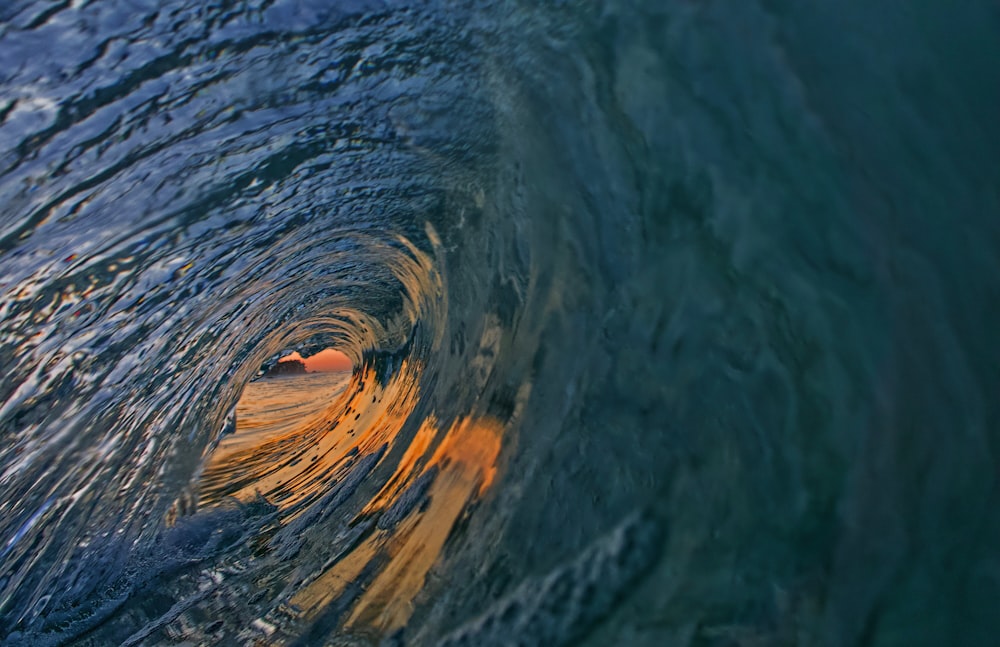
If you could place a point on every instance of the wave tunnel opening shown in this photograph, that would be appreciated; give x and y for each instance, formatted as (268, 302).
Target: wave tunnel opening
(279, 405)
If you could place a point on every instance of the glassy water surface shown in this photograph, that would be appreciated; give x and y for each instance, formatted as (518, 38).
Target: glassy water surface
(671, 322)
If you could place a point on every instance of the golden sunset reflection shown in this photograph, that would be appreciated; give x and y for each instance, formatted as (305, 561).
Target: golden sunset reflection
(443, 470)
(466, 464)
(292, 466)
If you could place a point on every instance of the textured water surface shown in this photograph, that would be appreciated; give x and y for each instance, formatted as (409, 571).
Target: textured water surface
(672, 322)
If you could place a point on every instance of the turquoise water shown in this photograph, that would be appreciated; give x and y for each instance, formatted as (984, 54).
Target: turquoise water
(673, 322)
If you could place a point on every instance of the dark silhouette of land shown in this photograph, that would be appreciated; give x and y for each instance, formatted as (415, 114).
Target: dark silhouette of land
(286, 367)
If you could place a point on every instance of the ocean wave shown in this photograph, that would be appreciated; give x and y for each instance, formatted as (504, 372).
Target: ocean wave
(671, 322)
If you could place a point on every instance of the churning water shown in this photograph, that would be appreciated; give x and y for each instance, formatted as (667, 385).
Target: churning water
(673, 322)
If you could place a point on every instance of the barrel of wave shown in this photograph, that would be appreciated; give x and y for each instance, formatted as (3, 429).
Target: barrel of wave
(274, 416)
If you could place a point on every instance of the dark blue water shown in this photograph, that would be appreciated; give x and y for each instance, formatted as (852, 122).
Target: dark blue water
(674, 323)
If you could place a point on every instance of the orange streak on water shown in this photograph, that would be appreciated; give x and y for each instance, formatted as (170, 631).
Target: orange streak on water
(402, 477)
(466, 459)
(297, 465)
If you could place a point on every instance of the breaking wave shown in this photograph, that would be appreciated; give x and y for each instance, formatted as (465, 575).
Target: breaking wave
(671, 322)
